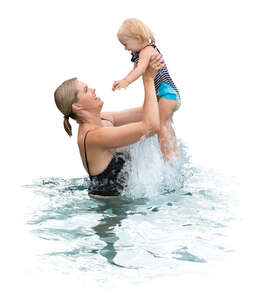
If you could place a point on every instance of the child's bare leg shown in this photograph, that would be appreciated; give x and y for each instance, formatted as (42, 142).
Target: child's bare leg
(166, 134)
(164, 141)
(173, 141)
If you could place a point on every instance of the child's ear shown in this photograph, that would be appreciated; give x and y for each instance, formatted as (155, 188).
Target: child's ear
(139, 38)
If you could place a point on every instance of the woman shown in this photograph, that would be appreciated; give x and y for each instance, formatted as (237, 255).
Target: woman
(100, 135)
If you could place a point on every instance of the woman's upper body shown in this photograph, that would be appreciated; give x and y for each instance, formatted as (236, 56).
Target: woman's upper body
(123, 128)
(98, 139)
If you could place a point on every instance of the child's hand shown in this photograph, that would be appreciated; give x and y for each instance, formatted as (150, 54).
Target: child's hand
(119, 84)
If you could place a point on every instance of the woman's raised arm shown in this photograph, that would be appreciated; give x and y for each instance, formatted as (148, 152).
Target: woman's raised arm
(114, 137)
(125, 116)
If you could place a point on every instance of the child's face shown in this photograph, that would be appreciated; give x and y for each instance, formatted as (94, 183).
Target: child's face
(132, 44)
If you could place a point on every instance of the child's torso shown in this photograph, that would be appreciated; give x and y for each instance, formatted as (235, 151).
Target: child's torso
(162, 75)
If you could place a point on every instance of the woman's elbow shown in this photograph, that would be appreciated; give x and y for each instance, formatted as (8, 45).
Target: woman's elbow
(156, 127)
(153, 128)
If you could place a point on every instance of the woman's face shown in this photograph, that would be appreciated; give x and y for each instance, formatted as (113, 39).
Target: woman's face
(87, 96)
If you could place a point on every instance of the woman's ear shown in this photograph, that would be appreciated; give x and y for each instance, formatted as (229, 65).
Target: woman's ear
(75, 106)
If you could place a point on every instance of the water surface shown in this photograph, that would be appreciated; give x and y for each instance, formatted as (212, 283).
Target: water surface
(168, 222)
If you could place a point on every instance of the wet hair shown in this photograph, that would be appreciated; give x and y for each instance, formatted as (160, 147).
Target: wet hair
(134, 27)
(65, 95)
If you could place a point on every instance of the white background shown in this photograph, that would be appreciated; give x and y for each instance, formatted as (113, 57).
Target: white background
(213, 50)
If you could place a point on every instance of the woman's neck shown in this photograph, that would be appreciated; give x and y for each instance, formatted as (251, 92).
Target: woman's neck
(92, 120)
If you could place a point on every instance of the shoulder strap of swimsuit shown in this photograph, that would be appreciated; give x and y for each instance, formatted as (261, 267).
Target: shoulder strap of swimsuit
(85, 151)
(147, 46)
(85, 147)
(154, 46)
(106, 119)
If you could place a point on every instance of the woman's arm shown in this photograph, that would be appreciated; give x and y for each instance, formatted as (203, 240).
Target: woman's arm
(123, 117)
(114, 137)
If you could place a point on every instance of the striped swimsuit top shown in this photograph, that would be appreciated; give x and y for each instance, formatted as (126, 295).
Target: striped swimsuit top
(162, 75)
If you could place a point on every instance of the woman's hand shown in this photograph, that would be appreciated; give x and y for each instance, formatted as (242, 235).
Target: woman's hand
(155, 64)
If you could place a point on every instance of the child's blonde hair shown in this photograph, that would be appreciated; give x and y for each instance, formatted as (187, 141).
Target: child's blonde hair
(134, 27)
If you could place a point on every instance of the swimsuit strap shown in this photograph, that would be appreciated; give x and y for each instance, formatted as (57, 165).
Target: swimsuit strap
(85, 151)
(153, 45)
(148, 45)
(106, 119)
(135, 56)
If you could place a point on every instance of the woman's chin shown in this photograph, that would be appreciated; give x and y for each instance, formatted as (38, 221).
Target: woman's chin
(100, 102)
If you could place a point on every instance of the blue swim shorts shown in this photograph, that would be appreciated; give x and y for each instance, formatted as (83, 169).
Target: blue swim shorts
(166, 91)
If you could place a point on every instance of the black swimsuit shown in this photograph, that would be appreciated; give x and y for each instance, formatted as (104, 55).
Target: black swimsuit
(112, 180)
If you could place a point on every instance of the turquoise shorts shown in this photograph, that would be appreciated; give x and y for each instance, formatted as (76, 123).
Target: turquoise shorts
(166, 91)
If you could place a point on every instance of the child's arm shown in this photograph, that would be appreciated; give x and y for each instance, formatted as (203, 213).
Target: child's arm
(137, 71)
(120, 84)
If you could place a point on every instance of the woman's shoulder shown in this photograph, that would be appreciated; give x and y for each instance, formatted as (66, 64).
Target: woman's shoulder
(85, 136)
(91, 142)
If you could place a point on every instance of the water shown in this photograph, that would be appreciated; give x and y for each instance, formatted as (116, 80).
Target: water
(169, 221)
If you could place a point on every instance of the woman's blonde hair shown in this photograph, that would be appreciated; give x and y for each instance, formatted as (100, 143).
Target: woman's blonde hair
(134, 27)
(65, 95)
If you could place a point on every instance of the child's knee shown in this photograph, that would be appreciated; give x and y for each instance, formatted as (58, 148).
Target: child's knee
(165, 117)
(163, 131)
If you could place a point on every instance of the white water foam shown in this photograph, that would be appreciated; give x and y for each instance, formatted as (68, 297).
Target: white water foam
(149, 175)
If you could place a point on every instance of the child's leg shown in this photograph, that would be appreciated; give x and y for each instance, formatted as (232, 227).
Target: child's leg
(166, 134)
(173, 141)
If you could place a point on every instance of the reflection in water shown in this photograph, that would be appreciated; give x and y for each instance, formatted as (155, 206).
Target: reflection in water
(113, 211)
(68, 198)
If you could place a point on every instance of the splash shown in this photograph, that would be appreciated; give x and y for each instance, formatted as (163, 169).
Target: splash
(150, 176)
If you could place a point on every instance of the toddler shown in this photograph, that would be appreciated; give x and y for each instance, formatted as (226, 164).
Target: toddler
(139, 39)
